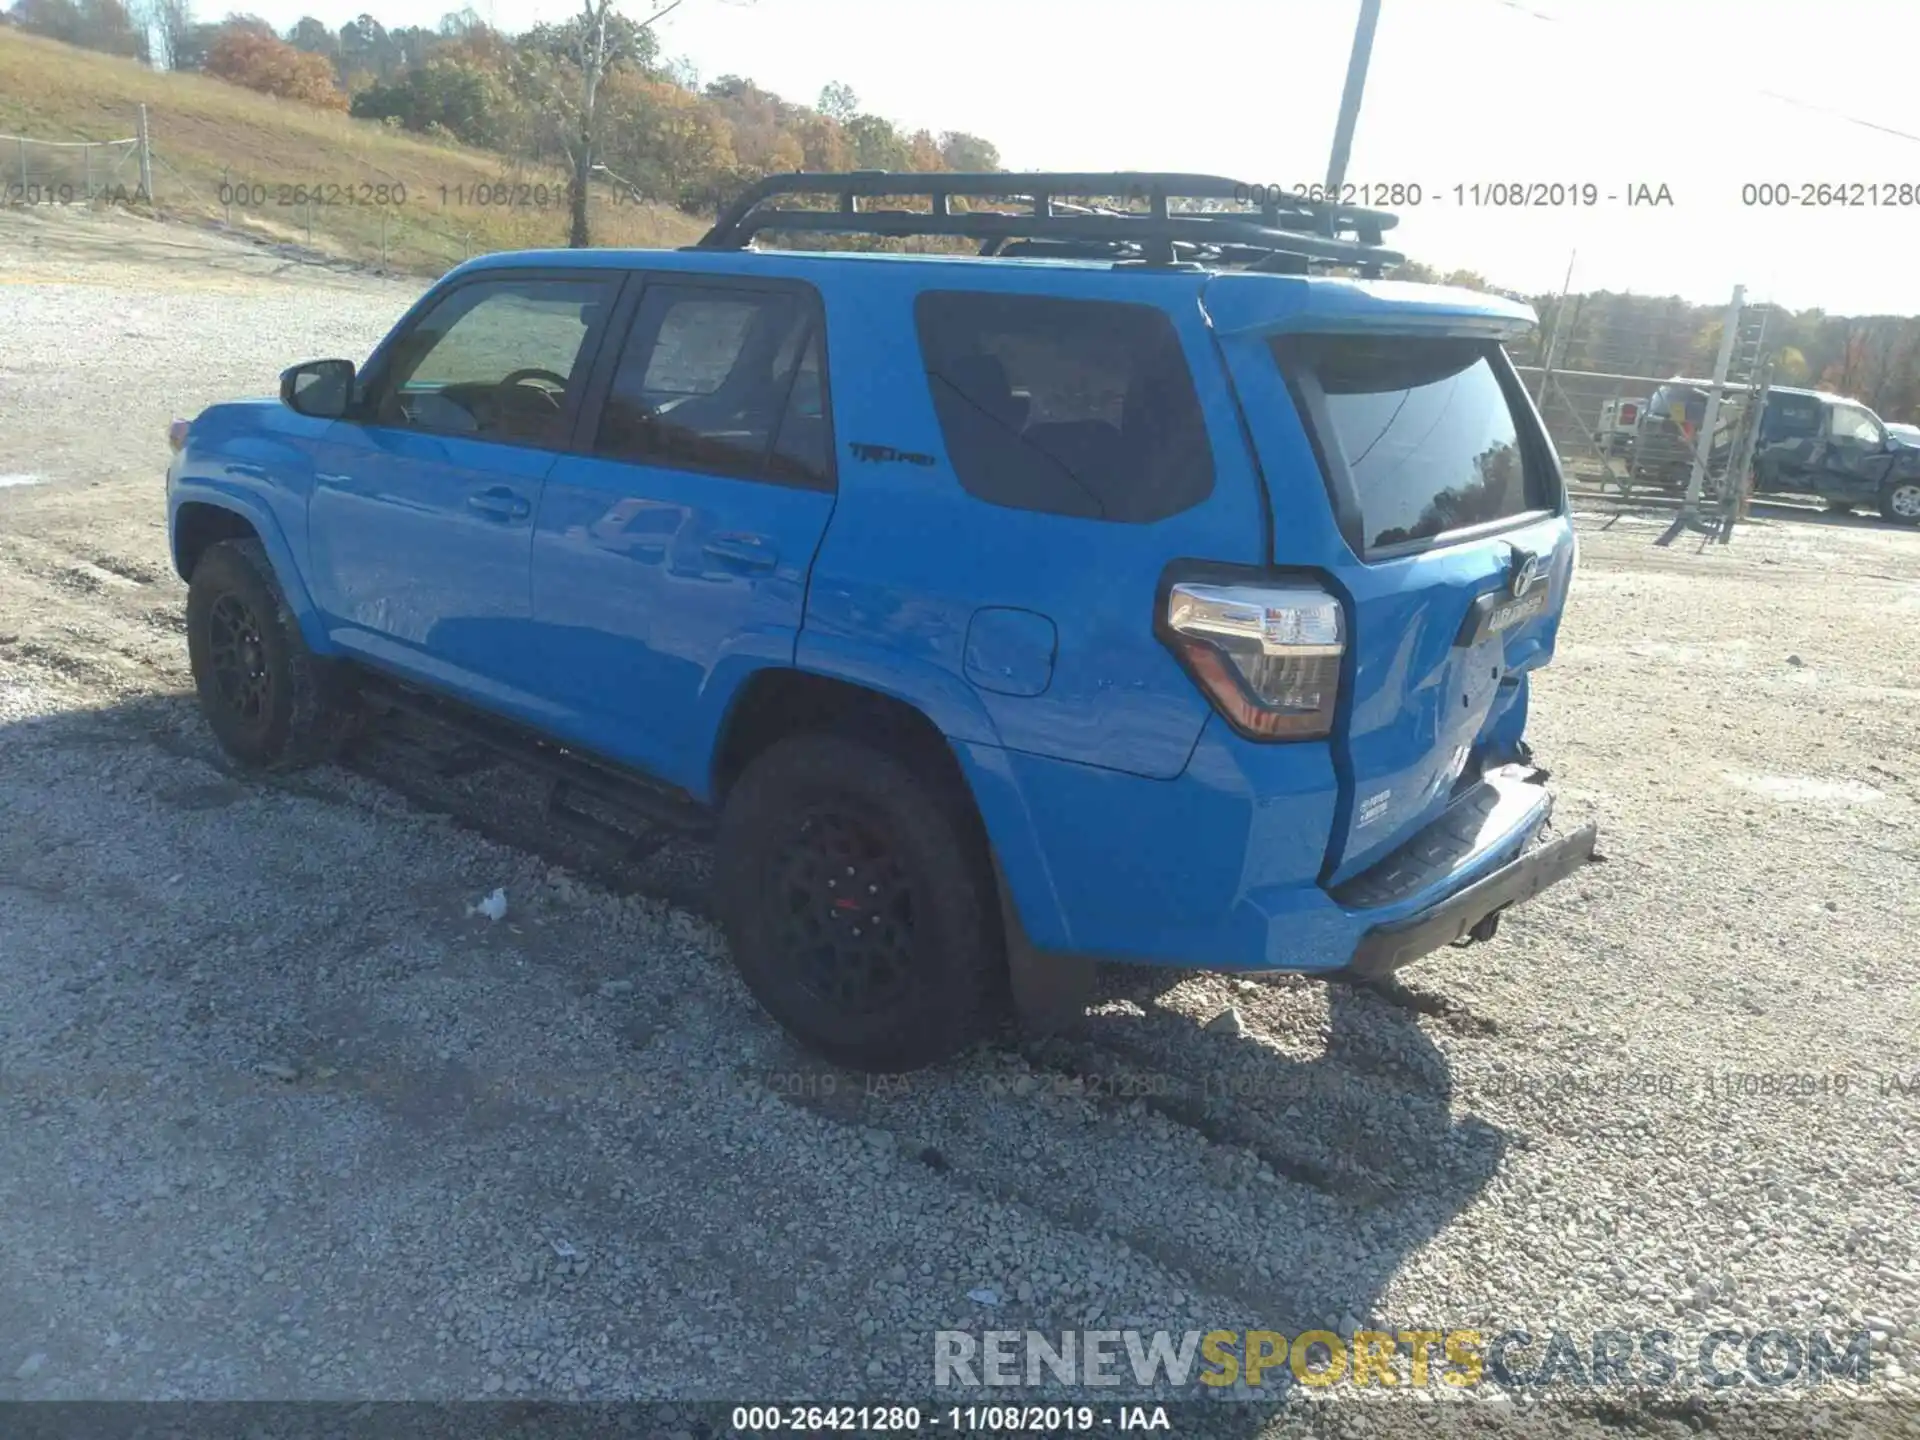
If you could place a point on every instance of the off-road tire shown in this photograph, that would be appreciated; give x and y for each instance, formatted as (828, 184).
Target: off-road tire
(301, 716)
(950, 950)
(1900, 501)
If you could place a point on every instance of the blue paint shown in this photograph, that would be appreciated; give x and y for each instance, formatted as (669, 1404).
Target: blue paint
(622, 607)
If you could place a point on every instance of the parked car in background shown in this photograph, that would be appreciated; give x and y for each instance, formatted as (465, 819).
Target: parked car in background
(1619, 427)
(1812, 443)
(1835, 449)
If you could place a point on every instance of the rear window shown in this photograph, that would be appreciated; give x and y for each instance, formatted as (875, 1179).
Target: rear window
(1424, 429)
(1072, 407)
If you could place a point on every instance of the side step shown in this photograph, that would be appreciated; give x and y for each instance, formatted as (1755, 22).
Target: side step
(573, 776)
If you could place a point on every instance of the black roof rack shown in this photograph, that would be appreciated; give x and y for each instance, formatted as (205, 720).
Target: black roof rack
(1140, 223)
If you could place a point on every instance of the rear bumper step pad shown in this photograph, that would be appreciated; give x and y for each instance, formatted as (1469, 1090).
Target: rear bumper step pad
(1386, 948)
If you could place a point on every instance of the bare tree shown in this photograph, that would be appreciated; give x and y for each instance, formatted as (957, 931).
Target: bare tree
(602, 42)
(171, 22)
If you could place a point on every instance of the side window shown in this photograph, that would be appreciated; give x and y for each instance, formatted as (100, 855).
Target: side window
(1850, 422)
(1793, 415)
(803, 448)
(723, 380)
(1072, 407)
(495, 360)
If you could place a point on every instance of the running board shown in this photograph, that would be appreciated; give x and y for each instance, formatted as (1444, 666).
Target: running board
(650, 803)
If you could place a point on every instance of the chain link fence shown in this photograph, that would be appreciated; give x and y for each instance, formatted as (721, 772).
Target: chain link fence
(397, 208)
(71, 172)
(1624, 384)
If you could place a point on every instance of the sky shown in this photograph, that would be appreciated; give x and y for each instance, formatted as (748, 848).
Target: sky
(1701, 97)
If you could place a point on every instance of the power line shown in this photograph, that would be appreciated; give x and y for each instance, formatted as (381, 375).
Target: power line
(1523, 9)
(1841, 115)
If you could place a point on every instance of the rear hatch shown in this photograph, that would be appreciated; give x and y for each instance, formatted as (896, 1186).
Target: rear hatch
(1407, 466)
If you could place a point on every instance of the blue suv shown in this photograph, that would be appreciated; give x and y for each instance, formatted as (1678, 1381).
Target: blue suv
(1133, 589)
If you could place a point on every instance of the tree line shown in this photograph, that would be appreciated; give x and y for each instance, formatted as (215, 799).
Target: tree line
(1874, 358)
(593, 94)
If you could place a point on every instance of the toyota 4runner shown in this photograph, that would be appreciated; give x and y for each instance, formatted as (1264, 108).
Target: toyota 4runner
(1132, 589)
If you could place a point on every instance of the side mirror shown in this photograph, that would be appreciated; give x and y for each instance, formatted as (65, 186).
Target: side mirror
(320, 388)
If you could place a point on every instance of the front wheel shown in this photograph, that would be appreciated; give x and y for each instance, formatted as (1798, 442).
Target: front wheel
(858, 910)
(264, 695)
(1900, 501)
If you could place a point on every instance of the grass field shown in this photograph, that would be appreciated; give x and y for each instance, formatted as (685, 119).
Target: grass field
(212, 140)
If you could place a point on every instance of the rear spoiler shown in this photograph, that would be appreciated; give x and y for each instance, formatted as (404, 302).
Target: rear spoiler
(1248, 304)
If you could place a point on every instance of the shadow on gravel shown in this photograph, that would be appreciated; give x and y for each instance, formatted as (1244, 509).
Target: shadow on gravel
(1363, 1133)
(1308, 1179)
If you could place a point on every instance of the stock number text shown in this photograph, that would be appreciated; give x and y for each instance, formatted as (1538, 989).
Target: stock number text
(1852, 194)
(257, 194)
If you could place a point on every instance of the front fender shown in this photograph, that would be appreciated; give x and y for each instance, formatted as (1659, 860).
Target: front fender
(246, 503)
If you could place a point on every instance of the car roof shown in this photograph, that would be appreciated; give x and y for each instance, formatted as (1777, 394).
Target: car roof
(1330, 298)
(1825, 397)
(736, 262)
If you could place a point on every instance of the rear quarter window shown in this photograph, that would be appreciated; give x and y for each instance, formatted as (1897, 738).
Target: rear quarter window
(1421, 432)
(1072, 407)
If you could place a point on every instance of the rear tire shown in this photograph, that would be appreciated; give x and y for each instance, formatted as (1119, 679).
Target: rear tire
(267, 699)
(1900, 501)
(857, 910)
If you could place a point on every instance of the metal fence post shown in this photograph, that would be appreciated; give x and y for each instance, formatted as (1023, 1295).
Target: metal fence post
(86, 164)
(146, 158)
(23, 168)
(1703, 449)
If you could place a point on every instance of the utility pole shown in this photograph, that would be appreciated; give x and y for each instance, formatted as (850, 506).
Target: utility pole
(1350, 97)
(1553, 335)
(1703, 448)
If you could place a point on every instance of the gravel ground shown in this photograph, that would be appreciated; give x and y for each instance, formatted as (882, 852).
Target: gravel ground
(281, 1118)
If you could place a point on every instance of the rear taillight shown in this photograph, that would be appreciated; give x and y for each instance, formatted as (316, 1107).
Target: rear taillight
(1268, 657)
(177, 435)
(1629, 414)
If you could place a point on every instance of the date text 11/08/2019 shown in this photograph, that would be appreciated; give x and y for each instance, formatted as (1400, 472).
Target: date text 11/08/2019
(1470, 195)
(910, 1419)
(505, 194)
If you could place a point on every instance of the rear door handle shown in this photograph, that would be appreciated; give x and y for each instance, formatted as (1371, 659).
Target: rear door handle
(499, 503)
(750, 552)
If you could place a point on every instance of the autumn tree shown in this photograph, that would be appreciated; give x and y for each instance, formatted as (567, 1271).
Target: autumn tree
(838, 102)
(313, 37)
(566, 65)
(961, 151)
(242, 53)
(102, 25)
(448, 96)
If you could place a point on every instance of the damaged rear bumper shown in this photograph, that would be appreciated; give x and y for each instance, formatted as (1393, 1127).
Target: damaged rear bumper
(1472, 912)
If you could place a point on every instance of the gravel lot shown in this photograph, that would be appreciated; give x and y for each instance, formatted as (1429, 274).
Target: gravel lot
(281, 1118)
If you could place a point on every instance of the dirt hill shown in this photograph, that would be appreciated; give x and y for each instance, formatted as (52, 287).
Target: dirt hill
(285, 171)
